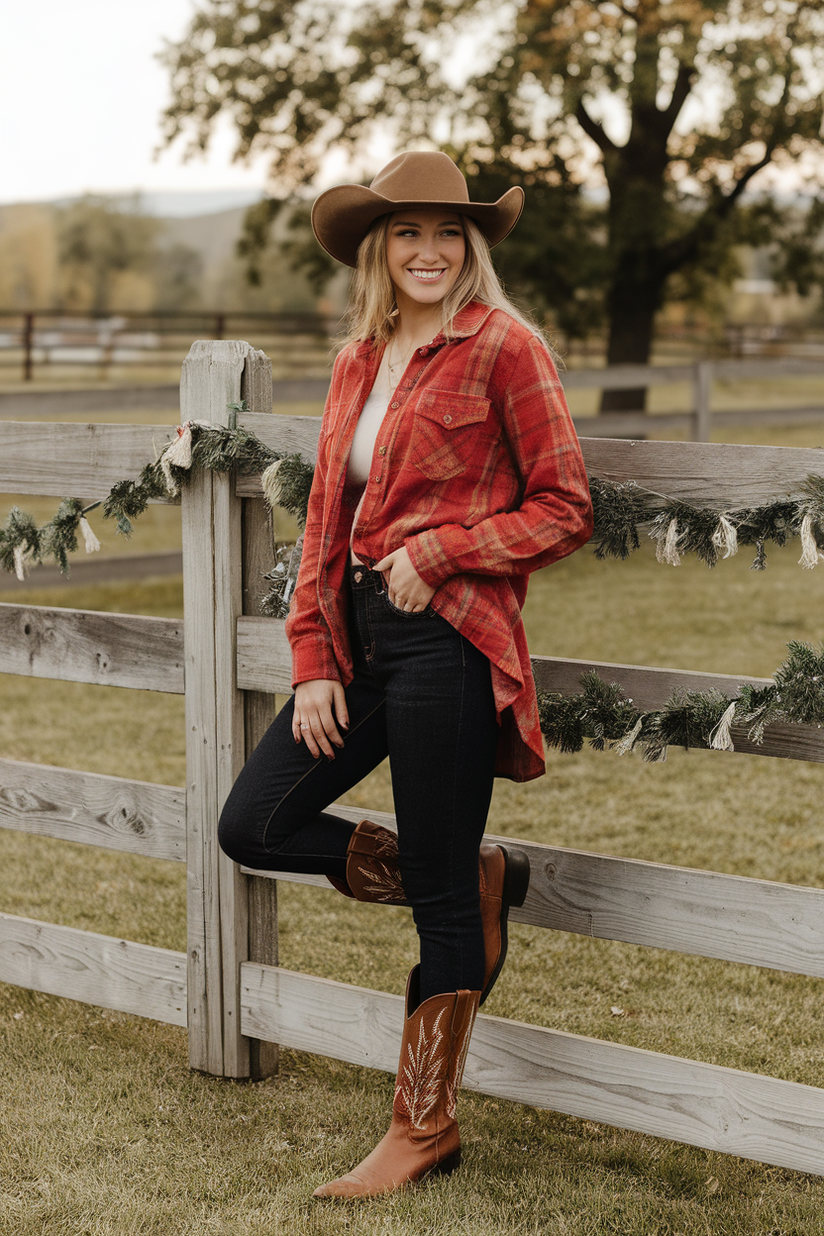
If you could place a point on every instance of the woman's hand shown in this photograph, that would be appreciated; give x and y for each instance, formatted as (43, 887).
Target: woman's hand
(320, 707)
(406, 588)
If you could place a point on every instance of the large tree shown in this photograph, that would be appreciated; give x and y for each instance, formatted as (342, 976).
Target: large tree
(676, 105)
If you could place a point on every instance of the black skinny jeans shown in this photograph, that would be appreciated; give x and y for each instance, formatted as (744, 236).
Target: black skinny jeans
(421, 694)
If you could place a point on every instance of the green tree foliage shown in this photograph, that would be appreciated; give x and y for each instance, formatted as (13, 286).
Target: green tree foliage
(675, 104)
(97, 241)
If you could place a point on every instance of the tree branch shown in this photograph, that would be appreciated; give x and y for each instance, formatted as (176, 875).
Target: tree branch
(680, 93)
(593, 129)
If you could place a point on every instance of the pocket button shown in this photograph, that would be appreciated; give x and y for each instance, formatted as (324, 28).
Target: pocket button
(447, 420)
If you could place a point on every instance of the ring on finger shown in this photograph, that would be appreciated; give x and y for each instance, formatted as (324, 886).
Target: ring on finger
(304, 726)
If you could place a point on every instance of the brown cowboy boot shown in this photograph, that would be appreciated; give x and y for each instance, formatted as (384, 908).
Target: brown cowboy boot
(372, 875)
(423, 1135)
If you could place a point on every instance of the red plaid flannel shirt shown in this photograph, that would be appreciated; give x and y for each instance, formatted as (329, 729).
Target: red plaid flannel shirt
(478, 472)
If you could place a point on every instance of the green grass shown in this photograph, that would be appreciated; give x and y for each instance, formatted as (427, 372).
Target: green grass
(107, 1133)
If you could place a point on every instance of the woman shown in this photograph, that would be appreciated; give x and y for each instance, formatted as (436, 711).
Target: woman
(447, 470)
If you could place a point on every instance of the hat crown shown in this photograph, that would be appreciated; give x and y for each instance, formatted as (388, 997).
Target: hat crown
(422, 176)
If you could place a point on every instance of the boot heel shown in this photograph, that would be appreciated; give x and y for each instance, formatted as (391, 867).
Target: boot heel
(516, 880)
(448, 1165)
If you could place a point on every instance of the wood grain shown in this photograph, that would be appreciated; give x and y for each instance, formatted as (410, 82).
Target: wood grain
(81, 965)
(264, 661)
(82, 461)
(259, 709)
(215, 375)
(715, 475)
(762, 1118)
(77, 645)
(705, 913)
(134, 816)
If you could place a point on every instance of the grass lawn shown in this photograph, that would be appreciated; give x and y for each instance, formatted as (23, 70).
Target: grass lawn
(107, 1133)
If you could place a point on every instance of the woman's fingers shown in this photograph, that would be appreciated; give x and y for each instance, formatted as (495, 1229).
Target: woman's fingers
(404, 585)
(341, 711)
(317, 704)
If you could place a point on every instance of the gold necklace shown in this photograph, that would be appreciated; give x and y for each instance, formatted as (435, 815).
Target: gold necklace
(401, 364)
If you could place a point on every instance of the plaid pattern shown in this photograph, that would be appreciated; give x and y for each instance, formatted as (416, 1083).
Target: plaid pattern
(478, 472)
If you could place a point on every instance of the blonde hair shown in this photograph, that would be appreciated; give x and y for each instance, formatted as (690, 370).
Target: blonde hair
(372, 311)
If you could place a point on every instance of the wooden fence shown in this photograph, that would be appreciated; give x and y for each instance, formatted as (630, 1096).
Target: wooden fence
(228, 988)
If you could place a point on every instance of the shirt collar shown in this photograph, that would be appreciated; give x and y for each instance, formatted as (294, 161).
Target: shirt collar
(468, 321)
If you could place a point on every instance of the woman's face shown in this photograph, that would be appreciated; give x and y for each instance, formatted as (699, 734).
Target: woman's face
(425, 252)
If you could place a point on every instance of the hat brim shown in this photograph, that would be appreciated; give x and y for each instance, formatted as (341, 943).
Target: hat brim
(342, 216)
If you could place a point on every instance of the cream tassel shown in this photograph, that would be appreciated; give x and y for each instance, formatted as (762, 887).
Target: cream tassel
(179, 453)
(725, 537)
(666, 546)
(720, 737)
(624, 747)
(89, 539)
(809, 548)
(271, 485)
(20, 559)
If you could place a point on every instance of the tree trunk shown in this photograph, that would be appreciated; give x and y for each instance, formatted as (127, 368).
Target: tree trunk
(632, 304)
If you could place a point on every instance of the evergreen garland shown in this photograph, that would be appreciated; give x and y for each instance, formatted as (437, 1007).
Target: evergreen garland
(602, 713)
(621, 508)
(218, 448)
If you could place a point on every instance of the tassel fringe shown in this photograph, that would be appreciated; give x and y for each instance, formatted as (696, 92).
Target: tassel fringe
(725, 537)
(666, 546)
(270, 483)
(89, 539)
(20, 563)
(809, 548)
(624, 747)
(720, 736)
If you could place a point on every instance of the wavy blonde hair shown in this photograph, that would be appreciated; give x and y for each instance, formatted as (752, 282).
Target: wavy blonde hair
(373, 311)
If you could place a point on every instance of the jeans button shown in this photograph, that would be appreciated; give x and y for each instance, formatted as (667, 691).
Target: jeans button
(358, 576)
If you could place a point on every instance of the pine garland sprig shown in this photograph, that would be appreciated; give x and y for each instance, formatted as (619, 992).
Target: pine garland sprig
(58, 538)
(600, 712)
(19, 542)
(603, 714)
(618, 508)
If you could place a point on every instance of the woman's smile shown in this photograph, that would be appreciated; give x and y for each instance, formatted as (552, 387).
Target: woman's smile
(425, 251)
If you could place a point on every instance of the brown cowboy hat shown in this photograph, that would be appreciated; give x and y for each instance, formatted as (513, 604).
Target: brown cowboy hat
(341, 217)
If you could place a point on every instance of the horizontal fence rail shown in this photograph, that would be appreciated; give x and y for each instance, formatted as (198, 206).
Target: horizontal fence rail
(81, 965)
(264, 663)
(138, 817)
(78, 645)
(705, 913)
(764, 1118)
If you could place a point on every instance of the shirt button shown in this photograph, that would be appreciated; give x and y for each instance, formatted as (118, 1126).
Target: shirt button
(376, 478)
(381, 450)
(396, 405)
(423, 351)
(447, 420)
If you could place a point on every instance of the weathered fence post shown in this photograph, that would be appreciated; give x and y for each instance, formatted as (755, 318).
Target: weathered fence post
(214, 375)
(701, 401)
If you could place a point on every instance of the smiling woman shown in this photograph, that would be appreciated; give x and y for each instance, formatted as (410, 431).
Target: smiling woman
(448, 470)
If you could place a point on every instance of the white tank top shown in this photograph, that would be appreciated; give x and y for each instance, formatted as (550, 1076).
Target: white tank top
(363, 443)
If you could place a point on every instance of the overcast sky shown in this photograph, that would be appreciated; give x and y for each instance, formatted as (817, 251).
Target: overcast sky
(81, 94)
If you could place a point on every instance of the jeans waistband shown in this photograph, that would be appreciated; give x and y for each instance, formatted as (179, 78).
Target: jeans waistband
(362, 577)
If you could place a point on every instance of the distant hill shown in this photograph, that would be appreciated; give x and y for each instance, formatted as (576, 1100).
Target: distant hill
(196, 265)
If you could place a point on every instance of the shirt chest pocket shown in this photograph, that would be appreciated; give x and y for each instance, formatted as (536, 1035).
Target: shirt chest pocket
(449, 433)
